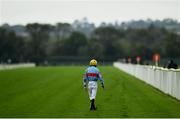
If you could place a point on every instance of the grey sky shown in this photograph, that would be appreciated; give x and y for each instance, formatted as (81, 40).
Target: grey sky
(97, 11)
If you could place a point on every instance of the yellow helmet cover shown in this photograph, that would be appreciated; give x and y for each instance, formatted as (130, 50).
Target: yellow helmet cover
(93, 62)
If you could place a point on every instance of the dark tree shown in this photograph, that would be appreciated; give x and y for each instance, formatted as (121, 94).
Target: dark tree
(38, 41)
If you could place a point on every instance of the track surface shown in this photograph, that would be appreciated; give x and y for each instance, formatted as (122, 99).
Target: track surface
(58, 92)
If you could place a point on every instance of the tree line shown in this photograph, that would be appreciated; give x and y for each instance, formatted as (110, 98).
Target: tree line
(41, 42)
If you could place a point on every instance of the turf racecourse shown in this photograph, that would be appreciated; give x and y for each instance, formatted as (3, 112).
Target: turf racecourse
(58, 92)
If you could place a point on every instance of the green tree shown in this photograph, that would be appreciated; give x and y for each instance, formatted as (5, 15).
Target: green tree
(172, 45)
(95, 49)
(73, 44)
(107, 36)
(11, 46)
(62, 30)
(39, 35)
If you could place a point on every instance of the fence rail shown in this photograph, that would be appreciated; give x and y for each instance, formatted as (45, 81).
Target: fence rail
(15, 66)
(166, 80)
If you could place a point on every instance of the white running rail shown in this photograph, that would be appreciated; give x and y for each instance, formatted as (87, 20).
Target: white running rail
(166, 80)
(15, 66)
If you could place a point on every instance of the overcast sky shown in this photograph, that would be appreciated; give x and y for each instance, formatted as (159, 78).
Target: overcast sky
(97, 11)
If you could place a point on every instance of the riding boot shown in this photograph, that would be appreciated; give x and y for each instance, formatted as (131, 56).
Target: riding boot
(93, 104)
(91, 108)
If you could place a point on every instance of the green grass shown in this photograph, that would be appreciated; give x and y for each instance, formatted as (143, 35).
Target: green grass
(58, 92)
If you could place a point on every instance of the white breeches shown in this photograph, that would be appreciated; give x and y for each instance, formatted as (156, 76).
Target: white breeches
(92, 89)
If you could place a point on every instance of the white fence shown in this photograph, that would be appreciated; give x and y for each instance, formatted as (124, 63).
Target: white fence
(15, 66)
(166, 80)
